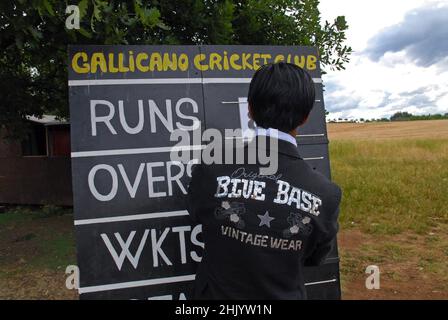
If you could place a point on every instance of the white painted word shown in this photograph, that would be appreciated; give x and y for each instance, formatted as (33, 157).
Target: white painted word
(153, 114)
(157, 240)
(173, 173)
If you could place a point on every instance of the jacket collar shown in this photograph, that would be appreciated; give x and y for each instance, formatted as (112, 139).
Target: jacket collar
(271, 132)
(283, 147)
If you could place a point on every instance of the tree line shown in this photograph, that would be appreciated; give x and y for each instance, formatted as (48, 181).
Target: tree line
(406, 116)
(397, 116)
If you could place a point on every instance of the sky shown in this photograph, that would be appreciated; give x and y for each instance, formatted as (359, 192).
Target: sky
(400, 59)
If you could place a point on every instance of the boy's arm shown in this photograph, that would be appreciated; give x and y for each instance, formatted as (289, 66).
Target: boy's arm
(324, 237)
(194, 191)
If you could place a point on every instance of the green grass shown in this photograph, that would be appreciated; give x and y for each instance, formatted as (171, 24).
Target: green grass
(56, 253)
(15, 215)
(53, 248)
(21, 214)
(392, 186)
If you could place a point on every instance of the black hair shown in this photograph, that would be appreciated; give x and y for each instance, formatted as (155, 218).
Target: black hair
(281, 96)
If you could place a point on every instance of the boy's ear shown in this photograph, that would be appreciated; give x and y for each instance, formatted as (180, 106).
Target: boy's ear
(250, 111)
(304, 120)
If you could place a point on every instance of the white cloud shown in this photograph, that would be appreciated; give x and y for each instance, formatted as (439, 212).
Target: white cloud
(392, 82)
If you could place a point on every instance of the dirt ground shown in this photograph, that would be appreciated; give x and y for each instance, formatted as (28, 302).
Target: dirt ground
(402, 276)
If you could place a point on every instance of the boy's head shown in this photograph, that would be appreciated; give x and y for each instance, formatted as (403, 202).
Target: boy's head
(281, 96)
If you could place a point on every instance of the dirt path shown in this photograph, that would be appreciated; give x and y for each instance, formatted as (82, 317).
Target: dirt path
(411, 266)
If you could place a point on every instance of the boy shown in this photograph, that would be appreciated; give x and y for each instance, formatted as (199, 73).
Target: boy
(259, 231)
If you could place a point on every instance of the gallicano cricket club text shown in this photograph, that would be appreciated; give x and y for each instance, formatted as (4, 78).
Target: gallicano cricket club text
(130, 61)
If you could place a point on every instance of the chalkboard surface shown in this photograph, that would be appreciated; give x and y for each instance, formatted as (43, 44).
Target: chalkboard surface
(133, 234)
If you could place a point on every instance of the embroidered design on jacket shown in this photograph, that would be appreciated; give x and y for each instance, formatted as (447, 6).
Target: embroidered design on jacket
(298, 224)
(231, 211)
(265, 219)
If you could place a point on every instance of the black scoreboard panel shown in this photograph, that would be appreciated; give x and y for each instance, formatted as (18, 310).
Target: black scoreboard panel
(134, 237)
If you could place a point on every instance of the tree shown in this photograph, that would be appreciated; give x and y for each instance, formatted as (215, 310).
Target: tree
(401, 116)
(34, 39)
(406, 116)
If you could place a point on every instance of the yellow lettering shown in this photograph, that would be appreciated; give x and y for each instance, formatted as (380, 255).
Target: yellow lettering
(131, 61)
(225, 63)
(279, 58)
(233, 64)
(141, 56)
(167, 63)
(155, 62)
(98, 60)
(121, 66)
(183, 62)
(245, 62)
(215, 60)
(266, 57)
(76, 67)
(311, 62)
(300, 61)
(197, 62)
(256, 62)
(111, 66)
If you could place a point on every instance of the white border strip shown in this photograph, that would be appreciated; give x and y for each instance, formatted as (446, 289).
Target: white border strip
(320, 282)
(151, 282)
(311, 135)
(109, 82)
(142, 216)
(115, 152)
(226, 80)
(133, 284)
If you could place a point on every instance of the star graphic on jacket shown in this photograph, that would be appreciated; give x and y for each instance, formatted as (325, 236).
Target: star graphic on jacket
(265, 220)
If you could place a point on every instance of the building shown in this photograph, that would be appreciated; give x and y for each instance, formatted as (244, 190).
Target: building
(37, 170)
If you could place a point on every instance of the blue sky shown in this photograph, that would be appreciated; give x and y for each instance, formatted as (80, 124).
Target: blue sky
(400, 59)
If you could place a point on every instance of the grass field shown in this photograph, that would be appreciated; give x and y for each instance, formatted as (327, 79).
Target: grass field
(394, 214)
(431, 129)
(36, 245)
